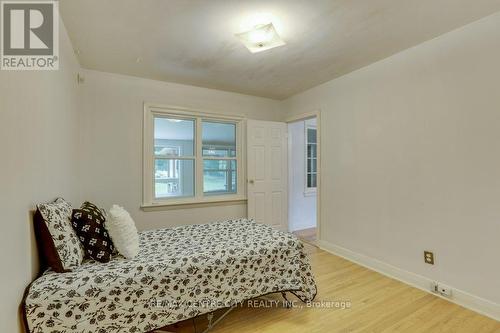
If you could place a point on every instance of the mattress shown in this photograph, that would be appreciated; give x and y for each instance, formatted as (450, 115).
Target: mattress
(178, 274)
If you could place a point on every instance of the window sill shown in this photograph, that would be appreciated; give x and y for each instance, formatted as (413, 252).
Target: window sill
(189, 203)
(310, 193)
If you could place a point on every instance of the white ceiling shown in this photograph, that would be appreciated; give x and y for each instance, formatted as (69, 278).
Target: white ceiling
(193, 42)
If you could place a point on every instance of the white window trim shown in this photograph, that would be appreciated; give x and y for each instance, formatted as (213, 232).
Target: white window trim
(309, 191)
(149, 201)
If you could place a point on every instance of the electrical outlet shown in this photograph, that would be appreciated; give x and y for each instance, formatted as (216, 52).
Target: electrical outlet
(444, 290)
(429, 257)
(80, 78)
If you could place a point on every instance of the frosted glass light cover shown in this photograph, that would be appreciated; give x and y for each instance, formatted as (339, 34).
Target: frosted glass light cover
(261, 38)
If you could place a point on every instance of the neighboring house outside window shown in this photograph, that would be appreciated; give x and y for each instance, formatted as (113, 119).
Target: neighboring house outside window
(191, 157)
(219, 157)
(167, 171)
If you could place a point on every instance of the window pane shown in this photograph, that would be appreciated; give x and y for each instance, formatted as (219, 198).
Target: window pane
(311, 135)
(311, 180)
(218, 152)
(312, 165)
(174, 178)
(219, 139)
(311, 150)
(219, 176)
(173, 137)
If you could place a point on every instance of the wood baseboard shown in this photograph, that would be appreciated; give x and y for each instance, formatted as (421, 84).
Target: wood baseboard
(467, 300)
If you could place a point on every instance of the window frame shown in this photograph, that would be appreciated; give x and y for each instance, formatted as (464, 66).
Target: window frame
(309, 191)
(149, 200)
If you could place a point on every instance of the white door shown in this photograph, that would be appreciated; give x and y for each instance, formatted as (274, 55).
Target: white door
(267, 172)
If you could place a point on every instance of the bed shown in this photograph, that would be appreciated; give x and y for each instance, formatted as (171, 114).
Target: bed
(179, 273)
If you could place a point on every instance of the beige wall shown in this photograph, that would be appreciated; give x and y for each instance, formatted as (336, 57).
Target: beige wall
(111, 141)
(38, 145)
(412, 160)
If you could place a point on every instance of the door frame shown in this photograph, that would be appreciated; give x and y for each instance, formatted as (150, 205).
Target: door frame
(300, 117)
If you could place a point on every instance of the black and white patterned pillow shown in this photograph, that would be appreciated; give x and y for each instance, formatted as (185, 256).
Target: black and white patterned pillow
(55, 219)
(88, 222)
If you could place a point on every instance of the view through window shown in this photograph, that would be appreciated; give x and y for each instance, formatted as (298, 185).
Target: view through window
(311, 158)
(185, 147)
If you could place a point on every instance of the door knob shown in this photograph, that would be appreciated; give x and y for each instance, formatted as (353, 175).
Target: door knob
(251, 181)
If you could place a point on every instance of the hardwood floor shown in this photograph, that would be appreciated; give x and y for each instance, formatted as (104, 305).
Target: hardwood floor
(379, 304)
(308, 235)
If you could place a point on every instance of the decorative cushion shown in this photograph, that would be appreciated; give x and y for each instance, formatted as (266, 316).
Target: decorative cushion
(123, 232)
(49, 258)
(57, 239)
(88, 222)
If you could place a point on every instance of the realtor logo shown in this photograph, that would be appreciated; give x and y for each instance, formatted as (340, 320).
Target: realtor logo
(29, 35)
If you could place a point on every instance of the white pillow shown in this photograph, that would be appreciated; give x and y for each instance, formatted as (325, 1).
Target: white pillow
(121, 228)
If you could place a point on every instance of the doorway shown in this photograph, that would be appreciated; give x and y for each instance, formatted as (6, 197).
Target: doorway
(303, 178)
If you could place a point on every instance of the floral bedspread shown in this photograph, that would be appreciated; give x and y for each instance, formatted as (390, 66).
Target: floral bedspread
(178, 274)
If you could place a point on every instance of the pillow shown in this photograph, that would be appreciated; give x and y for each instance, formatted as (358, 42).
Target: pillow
(122, 230)
(57, 239)
(88, 222)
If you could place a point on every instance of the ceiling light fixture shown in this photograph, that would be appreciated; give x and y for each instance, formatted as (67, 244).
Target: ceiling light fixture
(262, 37)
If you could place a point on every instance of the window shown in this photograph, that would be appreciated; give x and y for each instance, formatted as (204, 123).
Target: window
(191, 157)
(173, 157)
(219, 157)
(311, 158)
